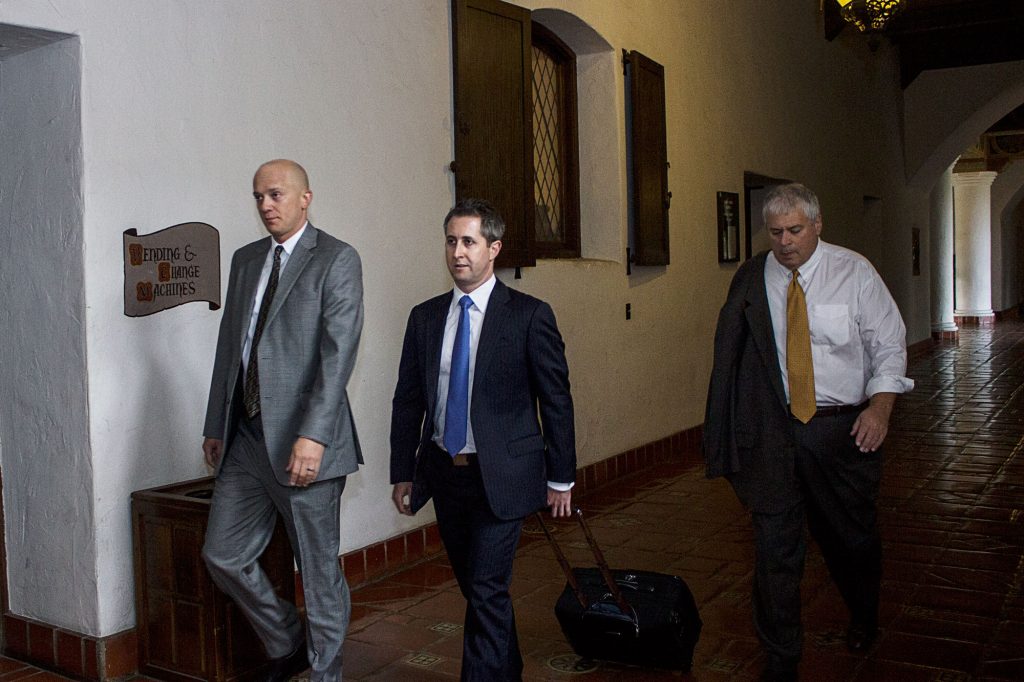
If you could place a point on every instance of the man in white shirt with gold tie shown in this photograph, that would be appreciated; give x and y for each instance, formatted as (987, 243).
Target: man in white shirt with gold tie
(810, 354)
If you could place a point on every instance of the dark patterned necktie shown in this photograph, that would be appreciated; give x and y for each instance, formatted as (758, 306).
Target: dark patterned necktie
(251, 396)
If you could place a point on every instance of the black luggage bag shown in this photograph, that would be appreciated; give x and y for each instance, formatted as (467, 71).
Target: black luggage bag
(635, 617)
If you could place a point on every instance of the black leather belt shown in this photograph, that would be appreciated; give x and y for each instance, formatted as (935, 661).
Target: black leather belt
(836, 410)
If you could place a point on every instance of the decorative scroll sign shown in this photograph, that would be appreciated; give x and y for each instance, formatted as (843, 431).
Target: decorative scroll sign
(176, 265)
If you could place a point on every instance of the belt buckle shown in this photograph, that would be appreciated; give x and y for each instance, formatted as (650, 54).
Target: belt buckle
(460, 460)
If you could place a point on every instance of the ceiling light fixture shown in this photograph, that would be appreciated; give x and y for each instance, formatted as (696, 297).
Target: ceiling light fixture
(870, 16)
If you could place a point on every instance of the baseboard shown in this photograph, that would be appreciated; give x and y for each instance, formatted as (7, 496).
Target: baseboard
(926, 345)
(103, 659)
(69, 653)
(981, 321)
(1012, 313)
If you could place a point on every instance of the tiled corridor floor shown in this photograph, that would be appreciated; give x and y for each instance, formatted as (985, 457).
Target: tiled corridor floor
(952, 509)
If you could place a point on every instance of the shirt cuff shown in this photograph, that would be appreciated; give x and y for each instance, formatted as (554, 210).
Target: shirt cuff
(889, 384)
(560, 487)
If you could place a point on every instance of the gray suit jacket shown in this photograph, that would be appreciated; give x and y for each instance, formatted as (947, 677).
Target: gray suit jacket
(306, 353)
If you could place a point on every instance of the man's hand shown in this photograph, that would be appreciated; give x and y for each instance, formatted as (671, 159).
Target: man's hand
(401, 495)
(560, 502)
(872, 424)
(213, 449)
(304, 464)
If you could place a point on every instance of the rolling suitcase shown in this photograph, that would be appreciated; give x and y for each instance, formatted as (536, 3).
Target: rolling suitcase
(636, 617)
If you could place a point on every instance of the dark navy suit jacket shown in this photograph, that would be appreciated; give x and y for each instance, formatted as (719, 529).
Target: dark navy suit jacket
(520, 371)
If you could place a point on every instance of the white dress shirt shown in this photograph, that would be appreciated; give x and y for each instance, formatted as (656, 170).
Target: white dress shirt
(858, 339)
(268, 265)
(480, 297)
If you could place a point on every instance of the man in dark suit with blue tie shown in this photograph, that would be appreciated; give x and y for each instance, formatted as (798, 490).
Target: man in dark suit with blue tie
(478, 364)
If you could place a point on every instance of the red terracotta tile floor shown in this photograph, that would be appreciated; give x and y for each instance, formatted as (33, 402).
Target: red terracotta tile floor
(952, 513)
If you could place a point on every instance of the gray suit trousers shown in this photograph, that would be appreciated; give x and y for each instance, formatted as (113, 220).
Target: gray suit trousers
(246, 501)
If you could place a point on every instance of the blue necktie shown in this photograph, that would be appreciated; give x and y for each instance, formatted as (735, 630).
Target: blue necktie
(457, 408)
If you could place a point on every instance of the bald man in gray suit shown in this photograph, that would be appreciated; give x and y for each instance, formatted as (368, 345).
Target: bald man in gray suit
(279, 429)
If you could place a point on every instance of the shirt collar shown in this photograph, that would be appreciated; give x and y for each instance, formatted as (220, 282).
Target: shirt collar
(289, 244)
(480, 296)
(808, 268)
(779, 270)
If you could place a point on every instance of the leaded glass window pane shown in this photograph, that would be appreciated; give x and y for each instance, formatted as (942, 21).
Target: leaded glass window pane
(546, 142)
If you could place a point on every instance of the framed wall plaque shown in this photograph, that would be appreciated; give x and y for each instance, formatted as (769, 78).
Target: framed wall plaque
(728, 227)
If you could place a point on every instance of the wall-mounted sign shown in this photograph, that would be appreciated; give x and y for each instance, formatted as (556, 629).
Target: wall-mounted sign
(176, 265)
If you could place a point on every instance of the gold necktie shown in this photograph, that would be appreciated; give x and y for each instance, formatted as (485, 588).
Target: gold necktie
(799, 364)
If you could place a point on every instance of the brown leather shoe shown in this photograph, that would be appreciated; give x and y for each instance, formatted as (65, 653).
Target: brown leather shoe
(859, 638)
(284, 668)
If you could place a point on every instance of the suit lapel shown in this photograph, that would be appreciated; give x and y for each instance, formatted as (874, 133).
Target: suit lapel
(297, 261)
(759, 319)
(435, 337)
(249, 279)
(494, 322)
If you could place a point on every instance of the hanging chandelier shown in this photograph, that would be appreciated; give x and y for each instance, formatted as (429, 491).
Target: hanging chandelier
(870, 16)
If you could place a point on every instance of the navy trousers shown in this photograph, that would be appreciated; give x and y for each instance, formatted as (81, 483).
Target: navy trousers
(481, 548)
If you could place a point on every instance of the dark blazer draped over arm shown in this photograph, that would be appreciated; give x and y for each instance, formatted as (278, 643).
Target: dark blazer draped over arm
(746, 422)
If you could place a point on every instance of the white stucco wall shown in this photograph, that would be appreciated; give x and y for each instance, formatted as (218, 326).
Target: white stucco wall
(1015, 216)
(947, 110)
(46, 456)
(1007, 193)
(182, 100)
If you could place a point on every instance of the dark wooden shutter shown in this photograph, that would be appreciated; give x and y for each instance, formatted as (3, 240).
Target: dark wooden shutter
(493, 117)
(649, 160)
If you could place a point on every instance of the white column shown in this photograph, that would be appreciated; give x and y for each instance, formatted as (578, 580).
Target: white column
(972, 198)
(940, 239)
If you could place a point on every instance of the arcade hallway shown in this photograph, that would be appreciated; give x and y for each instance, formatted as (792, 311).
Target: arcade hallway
(952, 509)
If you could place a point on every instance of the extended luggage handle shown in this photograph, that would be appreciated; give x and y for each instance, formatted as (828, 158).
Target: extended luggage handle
(602, 566)
(564, 563)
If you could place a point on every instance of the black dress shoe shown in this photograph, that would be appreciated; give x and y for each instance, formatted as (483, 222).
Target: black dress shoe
(773, 674)
(284, 668)
(778, 669)
(859, 638)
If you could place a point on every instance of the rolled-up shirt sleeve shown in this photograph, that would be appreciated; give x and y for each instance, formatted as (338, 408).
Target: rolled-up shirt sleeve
(884, 338)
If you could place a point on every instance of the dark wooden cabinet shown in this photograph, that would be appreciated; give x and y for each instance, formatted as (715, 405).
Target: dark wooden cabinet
(187, 628)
